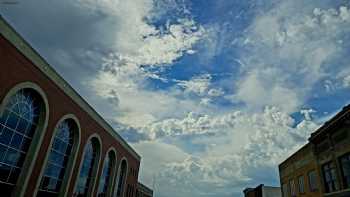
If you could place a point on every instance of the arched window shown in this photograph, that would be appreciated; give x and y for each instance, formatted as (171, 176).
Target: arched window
(18, 123)
(122, 178)
(58, 159)
(87, 173)
(106, 178)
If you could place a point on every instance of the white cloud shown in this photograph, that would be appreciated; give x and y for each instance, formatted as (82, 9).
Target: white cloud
(193, 146)
(192, 152)
(136, 106)
(139, 47)
(260, 88)
(346, 81)
(200, 85)
(237, 145)
(156, 158)
(343, 78)
(288, 53)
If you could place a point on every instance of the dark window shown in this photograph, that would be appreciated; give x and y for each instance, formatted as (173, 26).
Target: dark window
(292, 188)
(86, 172)
(106, 174)
(58, 159)
(122, 177)
(313, 181)
(330, 177)
(285, 189)
(17, 125)
(301, 184)
(127, 190)
(345, 165)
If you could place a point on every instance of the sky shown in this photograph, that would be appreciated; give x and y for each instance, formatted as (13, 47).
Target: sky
(213, 94)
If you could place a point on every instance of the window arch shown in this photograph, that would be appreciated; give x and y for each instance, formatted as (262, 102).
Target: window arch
(60, 158)
(88, 168)
(106, 178)
(120, 183)
(23, 118)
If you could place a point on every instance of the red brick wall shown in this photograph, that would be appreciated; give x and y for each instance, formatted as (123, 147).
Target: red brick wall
(14, 69)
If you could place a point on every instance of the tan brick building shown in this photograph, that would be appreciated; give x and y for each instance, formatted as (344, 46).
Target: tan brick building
(331, 146)
(299, 174)
(321, 167)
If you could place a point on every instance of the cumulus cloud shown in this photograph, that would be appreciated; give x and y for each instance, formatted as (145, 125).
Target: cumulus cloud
(151, 164)
(222, 153)
(287, 54)
(240, 144)
(200, 85)
(284, 56)
(192, 146)
(139, 51)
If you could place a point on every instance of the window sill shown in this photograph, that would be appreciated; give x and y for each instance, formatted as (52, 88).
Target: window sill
(340, 193)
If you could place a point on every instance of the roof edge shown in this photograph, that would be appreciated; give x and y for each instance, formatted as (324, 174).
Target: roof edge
(25, 48)
(328, 124)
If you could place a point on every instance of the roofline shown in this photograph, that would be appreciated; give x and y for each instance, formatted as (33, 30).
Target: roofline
(141, 185)
(295, 153)
(345, 111)
(24, 47)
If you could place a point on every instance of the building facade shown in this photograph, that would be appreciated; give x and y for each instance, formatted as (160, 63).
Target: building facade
(321, 167)
(299, 175)
(143, 191)
(331, 147)
(52, 143)
(262, 191)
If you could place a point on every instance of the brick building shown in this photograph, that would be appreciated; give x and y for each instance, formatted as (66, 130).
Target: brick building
(52, 142)
(321, 167)
(143, 191)
(299, 175)
(331, 147)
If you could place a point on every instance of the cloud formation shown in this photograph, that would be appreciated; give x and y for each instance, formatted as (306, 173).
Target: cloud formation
(301, 49)
(236, 147)
(141, 50)
(212, 96)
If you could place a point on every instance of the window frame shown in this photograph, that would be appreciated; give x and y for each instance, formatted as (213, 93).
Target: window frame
(301, 177)
(335, 182)
(112, 171)
(292, 188)
(309, 181)
(39, 133)
(73, 156)
(285, 189)
(115, 187)
(343, 178)
(96, 166)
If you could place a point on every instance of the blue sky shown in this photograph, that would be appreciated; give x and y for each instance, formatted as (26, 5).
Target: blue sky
(212, 94)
